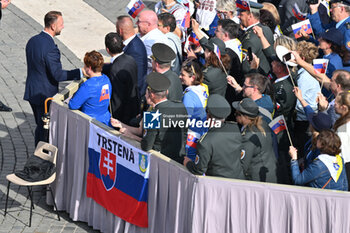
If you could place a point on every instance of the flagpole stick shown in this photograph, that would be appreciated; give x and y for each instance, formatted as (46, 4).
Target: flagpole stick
(323, 78)
(290, 139)
(291, 78)
(222, 66)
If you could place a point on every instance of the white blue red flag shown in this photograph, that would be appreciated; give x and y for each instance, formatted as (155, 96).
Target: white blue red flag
(118, 176)
(320, 65)
(303, 25)
(217, 51)
(135, 7)
(297, 12)
(243, 5)
(278, 124)
(193, 39)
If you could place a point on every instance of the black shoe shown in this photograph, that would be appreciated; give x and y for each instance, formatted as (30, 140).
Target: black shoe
(4, 108)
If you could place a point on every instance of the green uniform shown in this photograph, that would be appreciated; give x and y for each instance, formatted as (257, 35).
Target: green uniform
(168, 141)
(285, 99)
(250, 40)
(215, 78)
(219, 152)
(258, 159)
(285, 102)
(175, 89)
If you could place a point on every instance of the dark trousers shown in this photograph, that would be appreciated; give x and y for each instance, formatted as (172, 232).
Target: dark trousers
(40, 133)
(347, 169)
(301, 136)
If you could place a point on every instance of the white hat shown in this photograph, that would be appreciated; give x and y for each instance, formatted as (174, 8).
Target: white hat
(281, 51)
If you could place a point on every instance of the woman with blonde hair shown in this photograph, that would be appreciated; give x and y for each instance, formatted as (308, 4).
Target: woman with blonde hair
(310, 88)
(258, 157)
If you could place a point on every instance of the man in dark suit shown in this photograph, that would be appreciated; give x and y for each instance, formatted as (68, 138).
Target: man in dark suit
(3, 5)
(44, 69)
(135, 48)
(169, 140)
(122, 72)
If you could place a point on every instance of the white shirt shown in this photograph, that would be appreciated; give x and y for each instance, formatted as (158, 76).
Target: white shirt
(344, 133)
(115, 57)
(127, 41)
(152, 37)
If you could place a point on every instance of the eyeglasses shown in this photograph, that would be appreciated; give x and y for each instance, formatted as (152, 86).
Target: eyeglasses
(160, 25)
(246, 86)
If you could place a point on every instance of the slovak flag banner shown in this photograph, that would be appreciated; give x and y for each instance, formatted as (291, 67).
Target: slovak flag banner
(243, 4)
(278, 124)
(117, 178)
(297, 12)
(303, 25)
(217, 51)
(320, 65)
(135, 7)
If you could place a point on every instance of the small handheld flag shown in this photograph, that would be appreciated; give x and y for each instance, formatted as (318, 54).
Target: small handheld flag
(186, 21)
(297, 13)
(135, 7)
(243, 4)
(320, 65)
(278, 124)
(303, 25)
(217, 51)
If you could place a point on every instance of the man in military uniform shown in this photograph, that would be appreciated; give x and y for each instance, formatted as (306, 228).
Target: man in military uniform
(168, 139)
(285, 105)
(340, 12)
(162, 56)
(250, 19)
(219, 150)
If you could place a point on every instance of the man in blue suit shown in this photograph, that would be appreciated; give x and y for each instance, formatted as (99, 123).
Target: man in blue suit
(44, 69)
(135, 48)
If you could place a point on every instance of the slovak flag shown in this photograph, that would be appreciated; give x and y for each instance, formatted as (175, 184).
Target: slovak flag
(117, 177)
(135, 7)
(193, 39)
(186, 21)
(278, 124)
(217, 51)
(303, 25)
(104, 93)
(243, 4)
(320, 65)
(297, 12)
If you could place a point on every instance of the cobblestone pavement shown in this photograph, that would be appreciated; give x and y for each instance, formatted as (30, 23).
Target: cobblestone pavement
(17, 127)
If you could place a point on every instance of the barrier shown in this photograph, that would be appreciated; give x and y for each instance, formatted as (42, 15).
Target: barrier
(181, 202)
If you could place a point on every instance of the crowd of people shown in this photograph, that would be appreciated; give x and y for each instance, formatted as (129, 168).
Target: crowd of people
(237, 69)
